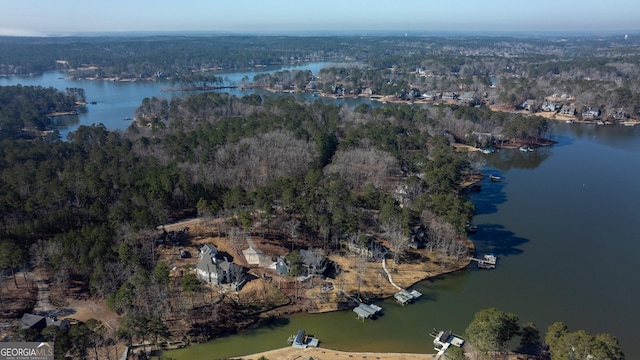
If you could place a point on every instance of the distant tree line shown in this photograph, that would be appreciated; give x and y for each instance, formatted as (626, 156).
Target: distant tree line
(599, 72)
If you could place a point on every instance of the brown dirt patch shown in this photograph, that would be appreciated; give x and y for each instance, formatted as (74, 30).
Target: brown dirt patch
(290, 353)
(312, 295)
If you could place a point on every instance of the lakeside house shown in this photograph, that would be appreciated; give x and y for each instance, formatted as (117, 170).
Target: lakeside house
(280, 266)
(39, 323)
(449, 95)
(568, 110)
(315, 264)
(591, 113)
(207, 249)
(368, 91)
(429, 95)
(549, 106)
(466, 97)
(216, 268)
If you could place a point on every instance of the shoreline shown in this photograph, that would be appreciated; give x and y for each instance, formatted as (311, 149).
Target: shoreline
(319, 353)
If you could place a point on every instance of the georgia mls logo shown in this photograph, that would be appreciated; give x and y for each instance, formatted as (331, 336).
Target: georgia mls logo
(26, 351)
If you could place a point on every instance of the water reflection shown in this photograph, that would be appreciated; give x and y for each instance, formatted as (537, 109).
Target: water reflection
(433, 288)
(65, 121)
(508, 159)
(615, 136)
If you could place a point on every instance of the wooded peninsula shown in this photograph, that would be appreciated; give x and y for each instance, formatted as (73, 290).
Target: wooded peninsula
(297, 205)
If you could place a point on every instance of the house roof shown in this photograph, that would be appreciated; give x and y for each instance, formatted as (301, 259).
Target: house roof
(466, 96)
(210, 263)
(208, 249)
(30, 320)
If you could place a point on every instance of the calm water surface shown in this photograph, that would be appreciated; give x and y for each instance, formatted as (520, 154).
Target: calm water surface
(563, 222)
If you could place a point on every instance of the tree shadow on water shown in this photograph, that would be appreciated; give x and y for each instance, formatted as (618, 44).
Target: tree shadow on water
(492, 238)
(487, 201)
(273, 322)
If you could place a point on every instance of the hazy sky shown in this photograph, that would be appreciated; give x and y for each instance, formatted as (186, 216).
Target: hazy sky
(61, 17)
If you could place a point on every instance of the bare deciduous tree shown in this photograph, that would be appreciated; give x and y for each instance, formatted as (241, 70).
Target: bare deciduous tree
(359, 167)
(236, 239)
(255, 161)
(292, 227)
(397, 239)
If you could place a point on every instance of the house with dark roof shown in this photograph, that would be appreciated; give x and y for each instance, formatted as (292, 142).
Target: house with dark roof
(568, 110)
(38, 323)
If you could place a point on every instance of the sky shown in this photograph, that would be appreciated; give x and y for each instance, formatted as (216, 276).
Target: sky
(74, 17)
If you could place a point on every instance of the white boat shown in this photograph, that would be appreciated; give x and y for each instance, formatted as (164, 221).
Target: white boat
(569, 121)
(525, 149)
(495, 178)
(487, 150)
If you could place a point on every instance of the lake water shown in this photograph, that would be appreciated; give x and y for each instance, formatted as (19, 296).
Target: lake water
(117, 100)
(561, 223)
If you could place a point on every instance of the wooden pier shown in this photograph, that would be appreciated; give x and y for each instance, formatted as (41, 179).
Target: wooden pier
(487, 262)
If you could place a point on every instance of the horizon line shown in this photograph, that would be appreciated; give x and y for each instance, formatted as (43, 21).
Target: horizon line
(323, 33)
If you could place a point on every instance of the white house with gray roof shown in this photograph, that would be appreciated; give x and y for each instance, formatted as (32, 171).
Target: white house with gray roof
(217, 269)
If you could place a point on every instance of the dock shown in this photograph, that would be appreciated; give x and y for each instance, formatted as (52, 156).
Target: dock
(302, 341)
(488, 261)
(445, 339)
(405, 297)
(365, 311)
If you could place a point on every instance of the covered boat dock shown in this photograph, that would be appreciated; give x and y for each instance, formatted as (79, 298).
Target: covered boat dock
(365, 311)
